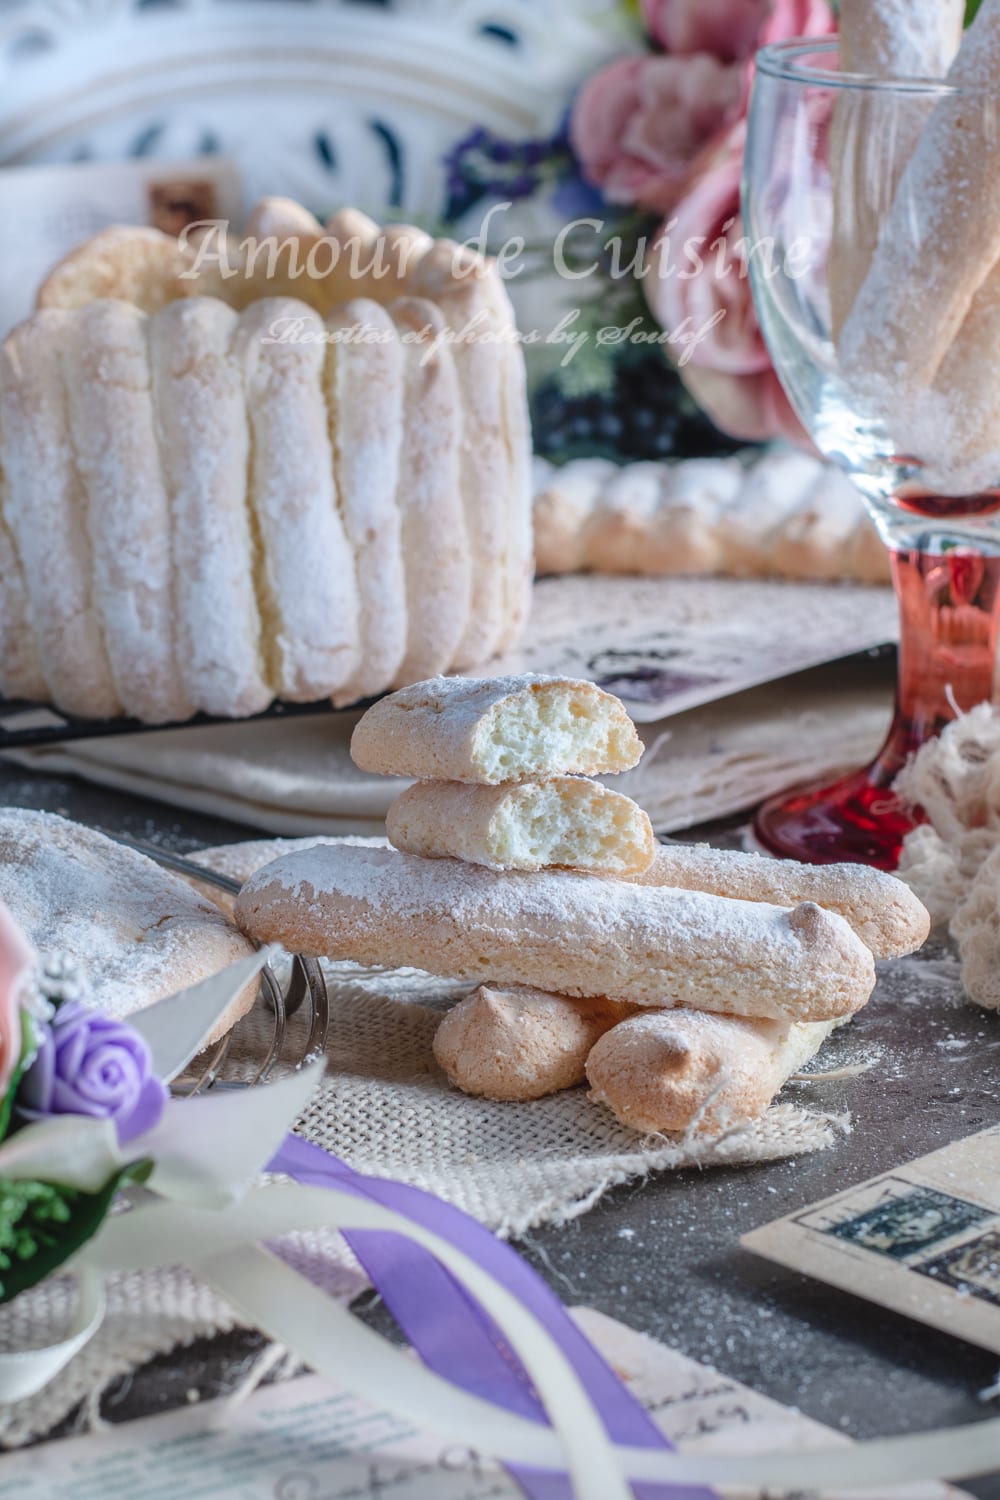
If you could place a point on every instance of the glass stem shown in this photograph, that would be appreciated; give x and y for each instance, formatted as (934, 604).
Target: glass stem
(949, 613)
(949, 608)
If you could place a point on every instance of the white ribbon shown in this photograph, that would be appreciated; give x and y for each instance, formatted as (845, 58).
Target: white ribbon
(222, 1249)
(23, 1372)
(214, 1245)
(177, 1027)
(68, 1150)
(207, 1150)
(335, 1344)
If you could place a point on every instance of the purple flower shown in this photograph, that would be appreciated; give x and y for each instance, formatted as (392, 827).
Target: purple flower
(90, 1064)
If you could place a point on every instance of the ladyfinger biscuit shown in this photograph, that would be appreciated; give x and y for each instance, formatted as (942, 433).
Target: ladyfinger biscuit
(886, 39)
(769, 493)
(684, 1070)
(866, 557)
(364, 390)
(282, 219)
(288, 253)
(688, 533)
(521, 1043)
(358, 268)
(829, 535)
(494, 729)
(459, 283)
(885, 914)
(662, 518)
(307, 588)
(437, 560)
(519, 573)
(942, 238)
(619, 531)
(472, 297)
(129, 263)
(563, 822)
(280, 258)
(201, 414)
(20, 674)
(45, 513)
(562, 513)
(291, 254)
(110, 391)
(561, 931)
(874, 133)
(404, 248)
(785, 515)
(137, 931)
(965, 407)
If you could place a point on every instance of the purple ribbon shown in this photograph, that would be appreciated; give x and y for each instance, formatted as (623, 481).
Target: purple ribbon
(455, 1337)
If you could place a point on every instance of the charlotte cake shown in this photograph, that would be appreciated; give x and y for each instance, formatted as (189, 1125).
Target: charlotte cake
(222, 482)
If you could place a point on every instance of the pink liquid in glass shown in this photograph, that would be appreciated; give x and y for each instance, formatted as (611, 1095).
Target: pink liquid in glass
(949, 612)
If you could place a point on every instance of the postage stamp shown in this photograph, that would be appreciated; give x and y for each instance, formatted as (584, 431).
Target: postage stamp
(973, 1267)
(907, 1221)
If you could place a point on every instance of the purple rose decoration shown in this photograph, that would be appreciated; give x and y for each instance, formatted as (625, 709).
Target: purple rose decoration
(90, 1064)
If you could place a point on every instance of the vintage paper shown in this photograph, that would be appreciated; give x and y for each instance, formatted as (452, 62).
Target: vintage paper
(304, 1440)
(664, 645)
(923, 1239)
(46, 211)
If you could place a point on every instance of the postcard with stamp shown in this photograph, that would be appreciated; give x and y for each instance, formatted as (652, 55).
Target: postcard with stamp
(923, 1239)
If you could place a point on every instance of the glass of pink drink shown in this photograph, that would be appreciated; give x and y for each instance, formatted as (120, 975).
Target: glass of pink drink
(893, 371)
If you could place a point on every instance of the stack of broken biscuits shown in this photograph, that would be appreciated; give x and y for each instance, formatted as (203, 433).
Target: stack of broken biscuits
(685, 984)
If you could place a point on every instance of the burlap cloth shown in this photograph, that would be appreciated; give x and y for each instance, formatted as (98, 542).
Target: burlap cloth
(386, 1108)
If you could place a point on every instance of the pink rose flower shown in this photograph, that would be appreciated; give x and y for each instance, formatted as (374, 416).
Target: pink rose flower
(698, 289)
(640, 125)
(732, 30)
(753, 408)
(728, 29)
(16, 959)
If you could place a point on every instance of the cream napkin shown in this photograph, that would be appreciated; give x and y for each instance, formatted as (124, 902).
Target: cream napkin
(295, 776)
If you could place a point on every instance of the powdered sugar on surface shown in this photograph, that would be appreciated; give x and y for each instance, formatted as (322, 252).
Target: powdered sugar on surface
(136, 930)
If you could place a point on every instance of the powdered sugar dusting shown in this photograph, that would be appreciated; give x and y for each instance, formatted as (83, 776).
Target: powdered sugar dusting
(938, 244)
(783, 515)
(900, 38)
(137, 931)
(654, 945)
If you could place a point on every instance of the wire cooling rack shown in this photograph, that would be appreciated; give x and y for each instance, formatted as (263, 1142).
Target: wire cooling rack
(287, 1024)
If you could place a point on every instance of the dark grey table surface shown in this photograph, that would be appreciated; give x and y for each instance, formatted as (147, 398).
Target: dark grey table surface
(664, 1256)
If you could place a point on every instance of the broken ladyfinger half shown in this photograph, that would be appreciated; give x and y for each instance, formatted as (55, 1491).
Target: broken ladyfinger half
(496, 729)
(561, 822)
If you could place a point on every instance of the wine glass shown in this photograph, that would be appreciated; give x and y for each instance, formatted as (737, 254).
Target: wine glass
(872, 265)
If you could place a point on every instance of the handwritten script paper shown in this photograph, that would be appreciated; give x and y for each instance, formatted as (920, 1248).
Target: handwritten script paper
(923, 1239)
(306, 1441)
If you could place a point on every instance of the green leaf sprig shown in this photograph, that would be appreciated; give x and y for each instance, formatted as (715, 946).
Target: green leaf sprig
(42, 1224)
